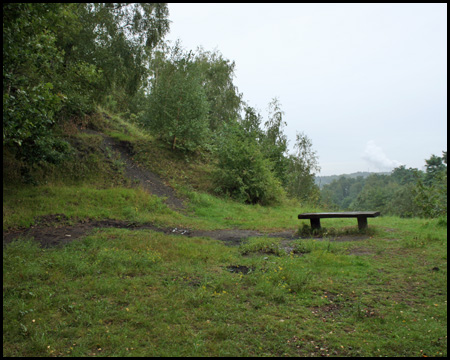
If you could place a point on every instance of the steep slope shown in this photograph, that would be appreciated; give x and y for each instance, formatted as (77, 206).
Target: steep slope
(139, 176)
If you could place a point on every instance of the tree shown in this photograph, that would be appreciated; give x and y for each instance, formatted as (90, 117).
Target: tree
(251, 123)
(404, 176)
(402, 202)
(217, 80)
(303, 165)
(31, 65)
(274, 141)
(118, 39)
(431, 191)
(434, 166)
(177, 104)
(374, 195)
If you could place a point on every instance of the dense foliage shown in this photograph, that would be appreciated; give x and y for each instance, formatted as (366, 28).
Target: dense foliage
(177, 106)
(254, 164)
(302, 166)
(61, 59)
(192, 104)
(405, 192)
(31, 64)
(243, 172)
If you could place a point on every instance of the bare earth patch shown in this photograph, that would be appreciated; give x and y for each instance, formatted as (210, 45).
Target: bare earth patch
(139, 176)
(55, 229)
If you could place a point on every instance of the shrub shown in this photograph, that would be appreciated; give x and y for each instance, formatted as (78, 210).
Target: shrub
(243, 173)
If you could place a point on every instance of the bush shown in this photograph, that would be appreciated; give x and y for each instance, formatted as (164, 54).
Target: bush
(243, 173)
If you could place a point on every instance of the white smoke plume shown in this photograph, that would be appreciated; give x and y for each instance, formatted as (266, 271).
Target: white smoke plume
(375, 156)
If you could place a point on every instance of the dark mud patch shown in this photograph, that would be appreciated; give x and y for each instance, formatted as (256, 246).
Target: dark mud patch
(232, 237)
(55, 230)
(240, 269)
(50, 235)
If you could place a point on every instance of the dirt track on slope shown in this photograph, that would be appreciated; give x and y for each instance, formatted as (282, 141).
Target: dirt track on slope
(55, 229)
(150, 181)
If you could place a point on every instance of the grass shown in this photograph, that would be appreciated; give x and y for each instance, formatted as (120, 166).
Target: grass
(21, 207)
(122, 292)
(140, 293)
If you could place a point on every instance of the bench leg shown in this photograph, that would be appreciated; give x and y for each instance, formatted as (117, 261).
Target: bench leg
(362, 223)
(315, 224)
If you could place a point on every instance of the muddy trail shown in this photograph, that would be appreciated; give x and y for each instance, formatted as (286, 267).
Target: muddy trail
(139, 176)
(56, 229)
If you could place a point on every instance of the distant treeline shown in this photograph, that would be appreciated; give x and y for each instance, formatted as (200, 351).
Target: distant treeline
(321, 181)
(404, 192)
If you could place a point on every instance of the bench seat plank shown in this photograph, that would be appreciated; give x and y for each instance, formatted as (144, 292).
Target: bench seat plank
(348, 214)
(360, 215)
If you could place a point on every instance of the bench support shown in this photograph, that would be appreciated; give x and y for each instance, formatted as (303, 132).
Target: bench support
(362, 222)
(315, 224)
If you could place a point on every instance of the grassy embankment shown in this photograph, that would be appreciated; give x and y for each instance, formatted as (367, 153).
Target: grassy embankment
(121, 292)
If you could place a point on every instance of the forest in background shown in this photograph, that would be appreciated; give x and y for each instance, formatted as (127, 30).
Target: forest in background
(321, 181)
(62, 61)
(404, 192)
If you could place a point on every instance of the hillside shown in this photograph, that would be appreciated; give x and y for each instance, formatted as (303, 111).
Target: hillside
(124, 250)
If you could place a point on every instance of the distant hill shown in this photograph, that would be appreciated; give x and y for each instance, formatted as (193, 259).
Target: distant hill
(324, 180)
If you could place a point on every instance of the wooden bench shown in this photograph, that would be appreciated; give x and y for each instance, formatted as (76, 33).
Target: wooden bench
(360, 215)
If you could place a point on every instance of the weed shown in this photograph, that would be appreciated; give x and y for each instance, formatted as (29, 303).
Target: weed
(261, 245)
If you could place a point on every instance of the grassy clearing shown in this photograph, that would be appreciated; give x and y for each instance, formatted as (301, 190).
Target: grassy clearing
(140, 293)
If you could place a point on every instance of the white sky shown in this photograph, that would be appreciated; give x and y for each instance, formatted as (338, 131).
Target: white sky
(367, 83)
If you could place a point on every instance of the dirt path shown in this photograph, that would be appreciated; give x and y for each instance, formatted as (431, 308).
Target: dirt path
(150, 181)
(53, 230)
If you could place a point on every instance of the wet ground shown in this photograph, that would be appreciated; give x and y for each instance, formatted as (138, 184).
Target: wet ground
(55, 229)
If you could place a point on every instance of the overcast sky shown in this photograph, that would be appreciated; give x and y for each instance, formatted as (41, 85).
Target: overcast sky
(367, 83)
